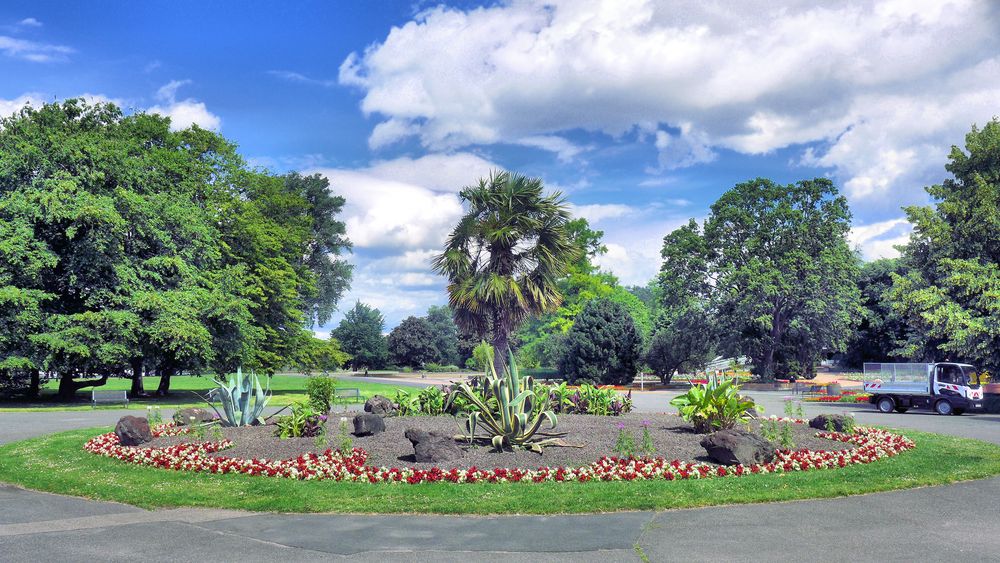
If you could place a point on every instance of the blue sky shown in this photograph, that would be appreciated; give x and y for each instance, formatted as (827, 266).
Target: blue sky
(641, 112)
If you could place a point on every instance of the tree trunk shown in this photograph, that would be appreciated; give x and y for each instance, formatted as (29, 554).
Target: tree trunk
(501, 344)
(137, 388)
(36, 384)
(68, 387)
(164, 388)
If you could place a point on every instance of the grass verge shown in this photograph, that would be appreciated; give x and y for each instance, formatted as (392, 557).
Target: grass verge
(57, 463)
(185, 390)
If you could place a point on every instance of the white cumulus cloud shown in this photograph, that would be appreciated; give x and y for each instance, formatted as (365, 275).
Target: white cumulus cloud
(183, 113)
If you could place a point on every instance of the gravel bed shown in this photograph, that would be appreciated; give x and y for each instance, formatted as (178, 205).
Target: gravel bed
(672, 437)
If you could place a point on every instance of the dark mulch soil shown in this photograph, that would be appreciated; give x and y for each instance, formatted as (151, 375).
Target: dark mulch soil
(672, 437)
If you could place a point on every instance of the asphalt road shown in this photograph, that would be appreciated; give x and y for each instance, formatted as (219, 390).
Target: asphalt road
(957, 522)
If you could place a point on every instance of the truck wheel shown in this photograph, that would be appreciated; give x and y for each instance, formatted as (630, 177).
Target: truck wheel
(943, 407)
(901, 410)
(886, 404)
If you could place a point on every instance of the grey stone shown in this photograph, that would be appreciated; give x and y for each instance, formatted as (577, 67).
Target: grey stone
(366, 424)
(381, 406)
(839, 421)
(132, 431)
(432, 447)
(184, 416)
(735, 447)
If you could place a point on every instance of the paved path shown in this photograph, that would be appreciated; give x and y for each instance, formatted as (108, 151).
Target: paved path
(958, 522)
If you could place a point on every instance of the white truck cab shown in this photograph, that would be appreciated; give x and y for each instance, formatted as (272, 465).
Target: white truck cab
(945, 387)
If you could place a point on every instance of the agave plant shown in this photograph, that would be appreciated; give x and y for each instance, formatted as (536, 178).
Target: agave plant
(242, 398)
(714, 406)
(514, 420)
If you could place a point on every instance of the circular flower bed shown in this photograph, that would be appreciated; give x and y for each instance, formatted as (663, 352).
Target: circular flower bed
(871, 445)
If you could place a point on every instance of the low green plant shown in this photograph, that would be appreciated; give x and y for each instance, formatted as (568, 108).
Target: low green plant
(625, 444)
(439, 368)
(850, 424)
(714, 406)
(516, 418)
(800, 412)
(482, 356)
(153, 416)
(242, 398)
(785, 438)
(217, 434)
(769, 430)
(646, 447)
(830, 426)
(197, 429)
(789, 408)
(344, 441)
(322, 392)
(304, 422)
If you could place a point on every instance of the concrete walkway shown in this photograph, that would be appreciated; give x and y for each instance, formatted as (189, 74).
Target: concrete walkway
(958, 522)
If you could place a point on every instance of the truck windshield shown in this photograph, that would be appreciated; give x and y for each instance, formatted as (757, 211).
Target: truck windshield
(976, 377)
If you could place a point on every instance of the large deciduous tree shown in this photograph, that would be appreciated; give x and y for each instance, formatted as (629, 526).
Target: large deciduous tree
(137, 248)
(445, 334)
(951, 293)
(504, 257)
(411, 343)
(360, 335)
(776, 267)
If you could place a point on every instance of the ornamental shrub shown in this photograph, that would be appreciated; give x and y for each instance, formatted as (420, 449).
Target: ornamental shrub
(321, 390)
(603, 345)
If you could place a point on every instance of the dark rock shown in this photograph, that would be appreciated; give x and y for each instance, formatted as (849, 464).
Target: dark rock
(381, 406)
(366, 424)
(840, 422)
(736, 447)
(184, 416)
(132, 431)
(433, 447)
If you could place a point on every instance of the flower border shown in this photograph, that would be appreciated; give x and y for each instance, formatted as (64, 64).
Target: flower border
(872, 444)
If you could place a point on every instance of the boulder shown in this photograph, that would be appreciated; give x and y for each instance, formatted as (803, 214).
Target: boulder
(433, 447)
(381, 406)
(738, 447)
(183, 417)
(839, 421)
(366, 424)
(132, 431)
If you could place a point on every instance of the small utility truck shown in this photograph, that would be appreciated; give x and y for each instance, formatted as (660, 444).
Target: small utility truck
(945, 387)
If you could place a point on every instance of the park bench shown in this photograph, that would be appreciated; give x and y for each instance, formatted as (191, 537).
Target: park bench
(808, 389)
(348, 393)
(108, 397)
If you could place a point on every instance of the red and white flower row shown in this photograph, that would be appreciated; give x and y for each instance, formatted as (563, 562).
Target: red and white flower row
(871, 445)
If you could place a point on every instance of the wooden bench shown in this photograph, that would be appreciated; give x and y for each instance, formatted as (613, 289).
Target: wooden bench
(108, 397)
(347, 393)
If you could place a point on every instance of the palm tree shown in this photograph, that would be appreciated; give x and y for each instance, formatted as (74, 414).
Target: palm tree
(505, 255)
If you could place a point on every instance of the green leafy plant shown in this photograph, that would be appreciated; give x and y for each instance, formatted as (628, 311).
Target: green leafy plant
(322, 393)
(769, 430)
(344, 441)
(242, 398)
(153, 416)
(304, 422)
(800, 412)
(830, 426)
(515, 419)
(217, 434)
(714, 405)
(850, 424)
(625, 443)
(785, 437)
(646, 447)
(789, 408)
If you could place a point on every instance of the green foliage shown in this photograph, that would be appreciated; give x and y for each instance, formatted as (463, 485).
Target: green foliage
(412, 343)
(774, 266)
(503, 257)
(429, 401)
(127, 244)
(880, 330)
(445, 334)
(482, 355)
(785, 436)
(505, 406)
(950, 294)
(589, 399)
(603, 345)
(304, 422)
(624, 443)
(646, 446)
(242, 398)
(322, 391)
(438, 368)
(714, 406)
(683, 342)
(360, 334)
(344, 441)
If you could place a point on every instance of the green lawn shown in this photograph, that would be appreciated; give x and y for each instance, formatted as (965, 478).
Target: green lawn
(58, 464)
(286, 389)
